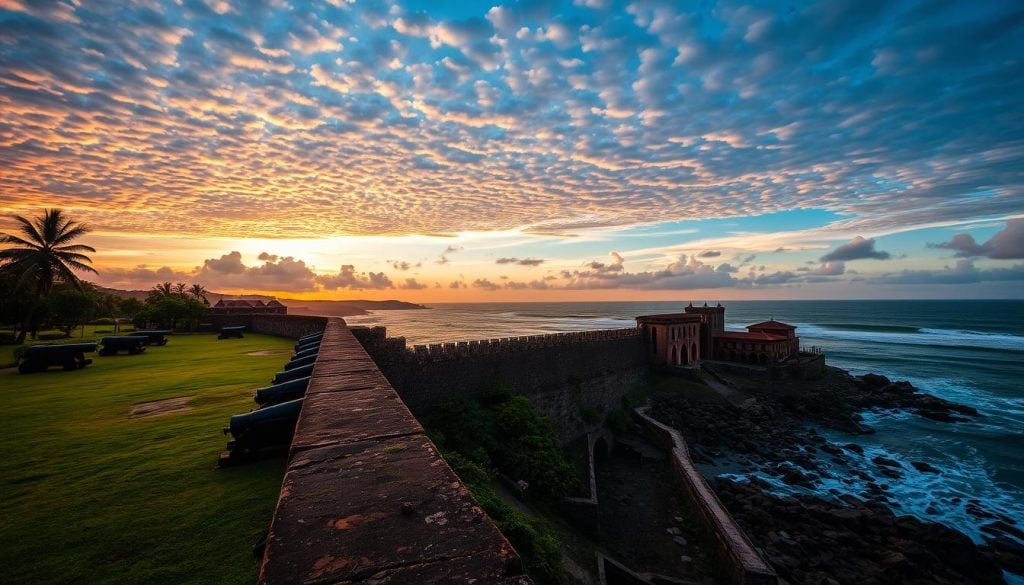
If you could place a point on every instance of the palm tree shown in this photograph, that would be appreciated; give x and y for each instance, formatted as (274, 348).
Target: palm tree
(199, 292)
(159, 291)
(181, 290)
(44, 255)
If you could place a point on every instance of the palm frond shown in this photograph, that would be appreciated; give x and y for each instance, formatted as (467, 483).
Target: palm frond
(74, 248)
(29, 230)
(70, 232)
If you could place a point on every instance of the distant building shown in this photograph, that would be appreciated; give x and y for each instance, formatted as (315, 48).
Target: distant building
(699, 333)
(248, 307)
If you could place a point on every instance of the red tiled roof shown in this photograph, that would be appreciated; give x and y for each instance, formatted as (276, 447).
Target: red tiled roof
(773, 324)
(751, 336)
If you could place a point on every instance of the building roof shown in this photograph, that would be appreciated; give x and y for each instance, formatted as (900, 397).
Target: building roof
(750, 336)
(772, 324)
(240, 303)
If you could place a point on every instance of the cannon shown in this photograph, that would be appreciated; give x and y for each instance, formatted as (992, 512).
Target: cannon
(117, 343)
(292, 374)
(306, 352)
(232, 331)
(299, 362)
(261, 432)
(154, 337)
(311, 336)
(70, 356)
(283, 392)
(307, 345)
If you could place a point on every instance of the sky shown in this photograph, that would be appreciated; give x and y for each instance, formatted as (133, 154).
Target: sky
(449, 150)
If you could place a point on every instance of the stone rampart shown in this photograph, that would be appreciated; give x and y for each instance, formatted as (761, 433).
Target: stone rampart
(366, 498)
(292, 326)
(573, 378)
(737, 556)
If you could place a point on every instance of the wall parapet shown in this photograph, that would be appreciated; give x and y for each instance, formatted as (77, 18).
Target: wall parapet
(291, 326)
(366, 497)
(737, 554)
(461, 349)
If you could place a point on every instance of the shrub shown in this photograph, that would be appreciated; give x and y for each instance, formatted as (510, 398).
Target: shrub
(537, 544)
(7, 338)
(104, 321)
(502, 431)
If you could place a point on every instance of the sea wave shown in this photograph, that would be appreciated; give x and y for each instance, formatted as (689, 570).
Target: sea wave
(918, 336)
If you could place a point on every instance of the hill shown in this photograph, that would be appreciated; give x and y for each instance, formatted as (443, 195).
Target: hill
(295, 306)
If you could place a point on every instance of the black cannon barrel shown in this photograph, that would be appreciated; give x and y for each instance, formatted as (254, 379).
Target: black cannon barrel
(306, 352)
(231, 331)
(115, 343)
(282, 392)
(292, 374)
(267, 427)
(299, 362)
(157, 337)
(59, 348)
(307, 345)
(70, 356)
(309, 336)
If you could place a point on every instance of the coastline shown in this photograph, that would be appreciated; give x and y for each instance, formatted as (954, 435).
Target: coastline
(774, 447)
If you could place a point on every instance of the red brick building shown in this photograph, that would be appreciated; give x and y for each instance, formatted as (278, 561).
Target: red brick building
(680, 339)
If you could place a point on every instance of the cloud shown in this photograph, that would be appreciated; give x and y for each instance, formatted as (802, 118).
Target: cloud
(1006, 244)
(412, 284)
(142, 276)
(542, 117)
(485, 284)
(520, 261)
(857, 249)
(347, 277)
(709, 254)
(443, 258)
(274, 274)
(964, 272)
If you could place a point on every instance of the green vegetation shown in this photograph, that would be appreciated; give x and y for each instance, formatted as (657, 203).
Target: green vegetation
(501, 431)
(94, 496)
(534, 538)
(499, 434)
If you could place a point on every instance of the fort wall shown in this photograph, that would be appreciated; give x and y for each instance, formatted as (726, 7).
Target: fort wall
(366, 498)
(291, 326)
(739, 560)
(573, 378)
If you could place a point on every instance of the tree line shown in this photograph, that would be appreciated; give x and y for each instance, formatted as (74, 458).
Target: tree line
(39, 288)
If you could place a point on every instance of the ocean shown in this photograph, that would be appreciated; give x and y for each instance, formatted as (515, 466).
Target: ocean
(970, 352)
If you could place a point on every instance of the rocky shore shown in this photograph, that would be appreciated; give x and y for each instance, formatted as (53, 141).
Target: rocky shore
(810, 540)
(769, 428)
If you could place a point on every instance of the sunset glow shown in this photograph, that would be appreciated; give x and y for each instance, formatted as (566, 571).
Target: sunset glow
(586, 150)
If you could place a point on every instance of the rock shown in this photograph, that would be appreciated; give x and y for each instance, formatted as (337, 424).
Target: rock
(674, 531)
(886, 462)
(924, 467)
(874, 380)
(679, 540)
(854, 447)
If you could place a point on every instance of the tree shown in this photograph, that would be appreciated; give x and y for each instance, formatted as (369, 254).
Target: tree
(44, 255)
(69, 308)
(160, 291)
(181, 289)
(199, 293)
(131, 306)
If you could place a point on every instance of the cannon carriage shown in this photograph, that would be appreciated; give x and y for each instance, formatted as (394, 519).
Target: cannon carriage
(231, 331)
(70, 356)
(114, 344)
(283, 392)
(261, 432)
(152, 337)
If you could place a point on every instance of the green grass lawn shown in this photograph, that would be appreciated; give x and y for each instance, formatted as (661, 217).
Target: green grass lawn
(93, 496)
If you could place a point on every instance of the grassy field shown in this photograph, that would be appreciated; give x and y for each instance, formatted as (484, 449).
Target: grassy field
(91, 495)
